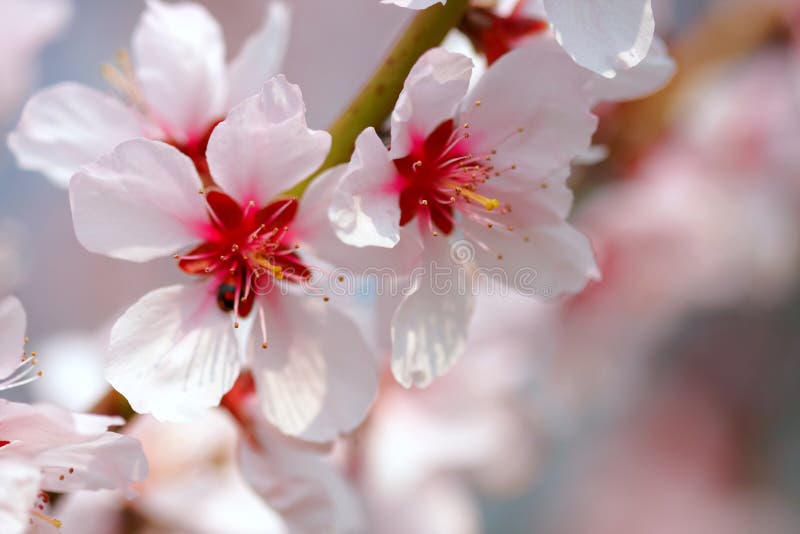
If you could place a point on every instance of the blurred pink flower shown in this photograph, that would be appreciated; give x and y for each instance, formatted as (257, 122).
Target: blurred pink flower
(178, 88)
(25, 28)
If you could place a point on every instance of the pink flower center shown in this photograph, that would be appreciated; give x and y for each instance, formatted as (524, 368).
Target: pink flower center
(440, 176)
(246, 249)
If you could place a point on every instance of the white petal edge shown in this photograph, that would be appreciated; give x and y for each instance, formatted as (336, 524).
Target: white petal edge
(414, 4)
(261, 55)
(365, 211)
(653, 73)
(429, 328)
(431, 94)
(604, 36)
(264, 146)
(317, 379)
(179, 56)
(174, 353)
(138, 203)
(68, 125)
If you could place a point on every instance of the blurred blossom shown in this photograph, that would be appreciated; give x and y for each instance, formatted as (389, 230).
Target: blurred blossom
(194, 486)
(26, 27)
(48, 449)
(670, 466)
(74, 364)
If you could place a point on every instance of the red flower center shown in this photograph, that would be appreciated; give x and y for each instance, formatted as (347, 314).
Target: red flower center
(494, 35)
(195, 148)
(246, 249)
(439, 176)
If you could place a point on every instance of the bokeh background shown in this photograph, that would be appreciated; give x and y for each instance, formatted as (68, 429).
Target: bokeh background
(668, 399)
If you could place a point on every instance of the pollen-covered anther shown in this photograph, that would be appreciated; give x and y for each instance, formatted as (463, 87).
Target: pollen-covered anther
(46, 518)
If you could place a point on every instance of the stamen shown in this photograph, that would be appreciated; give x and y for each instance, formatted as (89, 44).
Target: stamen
(263, 323)
(25, 373)
(46, 518)
(489, 204)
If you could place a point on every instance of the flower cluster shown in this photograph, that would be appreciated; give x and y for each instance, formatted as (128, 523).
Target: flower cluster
(345, 304)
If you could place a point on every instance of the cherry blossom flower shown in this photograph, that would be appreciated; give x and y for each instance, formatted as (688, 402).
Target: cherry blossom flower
(45, 448)
(605, 36)
(177, 88)
(489, 164)
(495, 32)
(176, 351)
(25, 28)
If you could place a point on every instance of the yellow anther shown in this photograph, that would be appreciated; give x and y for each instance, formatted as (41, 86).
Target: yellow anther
(46, 518)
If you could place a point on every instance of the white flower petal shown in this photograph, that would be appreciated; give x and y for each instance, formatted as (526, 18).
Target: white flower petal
(653, 73)
(109, 461)
(69, 125)
(138, 203)
(431, 95)
(429, 328)
(261, 55)
(39, 427)
(365, 210)
(543, 260)
(173, 353)
(12, 334)
(296, 482)
(317, 379)
(179, 53)
(414, 4)
(265, 146)
(536, 124)
(19, 487)
(603, 35)
(315, 232)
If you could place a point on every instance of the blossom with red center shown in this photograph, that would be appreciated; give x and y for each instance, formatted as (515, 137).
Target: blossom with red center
(488, 165)
(45, 448)
(176, 89)
(180, 348)
(605, 36)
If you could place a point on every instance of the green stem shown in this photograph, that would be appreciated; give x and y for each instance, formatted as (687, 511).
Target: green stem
(376, 100)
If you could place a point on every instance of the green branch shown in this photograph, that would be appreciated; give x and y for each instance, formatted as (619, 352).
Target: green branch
(376, 100)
